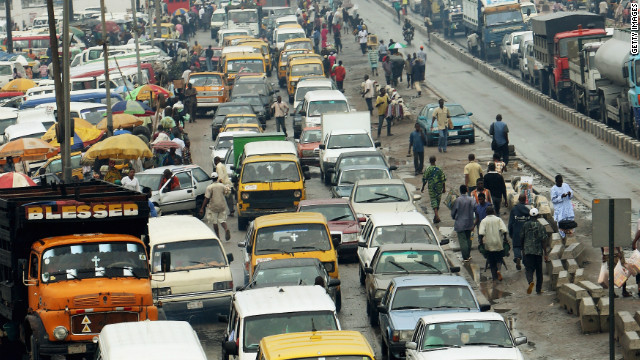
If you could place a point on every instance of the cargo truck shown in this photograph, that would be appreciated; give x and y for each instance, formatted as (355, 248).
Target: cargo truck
(584, 76)
(491, 20)
(552, 35)
(72, 261)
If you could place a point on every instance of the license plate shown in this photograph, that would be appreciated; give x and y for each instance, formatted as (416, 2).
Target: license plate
(194, 305)
(453, 133)
(77, 349)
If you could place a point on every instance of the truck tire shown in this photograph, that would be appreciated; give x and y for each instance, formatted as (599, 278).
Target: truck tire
(603, 110)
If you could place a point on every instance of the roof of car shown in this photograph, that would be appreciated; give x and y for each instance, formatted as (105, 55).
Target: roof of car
(173, 168)
(305, 60)
(304, 203)
(401, 218)
(319, 95)
(304, 39)
(233, 133)
(289, 218)
(361, 153)
(349, 131)
(317, 344)
(277, 157)
(408, 246)
(269, 147)
(417, 280)
(284, 299)
(315, 81)
(240, 115)
(380, 182)
(170, 228)
(461, 316)
(287, 263)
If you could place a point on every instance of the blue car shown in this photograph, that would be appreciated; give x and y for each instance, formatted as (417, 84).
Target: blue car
(349, 174)
(463, 128)
(408, 298)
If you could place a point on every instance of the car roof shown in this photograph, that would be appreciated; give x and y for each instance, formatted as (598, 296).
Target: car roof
(461, 316)
(318, 95)
(240, 115)
(380, 182)
(304, 203)
(286, 263)
(419, 280)
(289, 219)
(348, 131)
(360, 153)
(399, 218)
(173, 168)
(232, 134)
(314, 82)
(171, 228)
(277, 157)
(316, 344)
(269, 147)
(306, 60)
(282, 299)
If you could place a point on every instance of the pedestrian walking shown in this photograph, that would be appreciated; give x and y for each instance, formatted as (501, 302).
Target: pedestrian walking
(480, 189)
(500, 167)
(397, 65)
(280, 111)
(216, 205)
(130, 181)
(603, 8)
(368, 93)
(435, 177)
(480, 209)
(382, 103)
(492, 235)
(383, 50)
(408, 68)
(191, 102)
(417, 142)
(341, 73)
(362, 38)
(223, 175)
(386, 66)
(316, 40)
(442, 114)
(494, 182)
(416, 74)
(462, 213)
(500, 143)
(326, 65)
(337, 38)
(532, 239)
(561, 195)
(208, 56)
(323, 35)
(518, 216)
(472, 172)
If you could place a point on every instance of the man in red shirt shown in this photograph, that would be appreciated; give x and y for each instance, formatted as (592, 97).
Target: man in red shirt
(341, 73)
(167, 176)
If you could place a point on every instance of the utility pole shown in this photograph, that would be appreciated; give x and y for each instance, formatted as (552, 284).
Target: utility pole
(107, 81)
(134, 10)
(150, 22)
(7, 5)
(68, 131)
(70, 10)
(158, 17)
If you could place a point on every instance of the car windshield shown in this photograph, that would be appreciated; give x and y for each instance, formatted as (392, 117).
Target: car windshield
(219, 17)
(307, 69)
(466, 333)
(310, 136)
(501, 18)
(350, 141)
(411, 261)
(291, 275)
(292, 238)
(299, 45)
(94, 260)
(234, 109)
(253, 100)
(381, 193)
(56, 165)
(516, 40)
(402, 234)
(205, 80)
(361, 160)
(257, 327)
(332, 212)
(456, 110)
(240, 120)
(223, 142)
(240, 17)
(151, 181)
(433, 297)
(317, 108)
(270, 171)
(249, 88)
(286, 36)
(524, 8)
(190, 255)
(350, 177)
(7, 122)
(302, 91)
(245, 65)
(5, 70)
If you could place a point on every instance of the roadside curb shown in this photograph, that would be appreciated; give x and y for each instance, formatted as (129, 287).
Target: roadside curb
(623, 143)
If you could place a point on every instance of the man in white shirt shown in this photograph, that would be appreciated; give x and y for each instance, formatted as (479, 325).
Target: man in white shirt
(369, 91)
(130, 182)
(177, 140)
(223, 175)
(362, 38)
(492, 234)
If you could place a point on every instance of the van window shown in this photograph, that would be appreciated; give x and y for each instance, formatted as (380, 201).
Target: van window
(206, 80)
(56, 165)
(190, 255)
(292, 238)
(270, 171)
(327, 106)
(286, 36)
(245, 65)
(20, 44)
(307, 69)
(40, 43)
(219, 17)
(6, 70)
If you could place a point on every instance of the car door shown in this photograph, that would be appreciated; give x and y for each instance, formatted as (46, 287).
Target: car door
(369, 282)
(384, 318)
(182, 198)
(246, 251)
(202, 180)
(418, 336)
(365, 235)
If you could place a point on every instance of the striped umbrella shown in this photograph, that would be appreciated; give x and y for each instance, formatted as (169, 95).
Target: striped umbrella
(132, 107)
(14, 180)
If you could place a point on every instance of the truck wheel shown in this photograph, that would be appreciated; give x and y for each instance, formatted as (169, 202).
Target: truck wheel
(361, 273)
(338, 301)
(603, 111)
(242, 223)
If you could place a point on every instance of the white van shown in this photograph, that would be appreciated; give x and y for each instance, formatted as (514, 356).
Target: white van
(33, 129)
(196, 277)
(6, 71)
(222, 34)
(92, 112)
(282, 34)
(39, 90)
(315, 103)
(261, 312)
(158, 340)
(311, 84)
(8, 117)
(218, 21)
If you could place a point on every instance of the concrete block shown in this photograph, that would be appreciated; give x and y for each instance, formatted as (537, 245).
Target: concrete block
(624, 322)
(546, 225)
(556, 239)
(569, 296)
(563, 278)
(589, 319)
(636, 316)
(553, 269)
(595, 291)
(556, 252)
(603, 311)
(578, 276)
(570, 265)
(574, 251)
(630, 343)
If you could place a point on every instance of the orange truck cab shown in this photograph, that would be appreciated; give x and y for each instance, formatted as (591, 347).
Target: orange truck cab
(211, 87)
(72, 262)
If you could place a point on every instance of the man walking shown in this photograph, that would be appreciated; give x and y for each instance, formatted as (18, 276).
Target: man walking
(494, 182)
(208, 54)
(480, 209)
(382, 103)
(443, 116)
(417, 141)
(386, 66)
(492, 234)
(382, 50)
(280, 110)
(223, 176)
(472, 172)
(480, 190)
(214, 197)
(191, 102)
(462, 212)
(532, 238)
(397, 66)
(341, 73)
(368, 93)
(500, 143)
(517, 218)
(362, 39)
(435, 177)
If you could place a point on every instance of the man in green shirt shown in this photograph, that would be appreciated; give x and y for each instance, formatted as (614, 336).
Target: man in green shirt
(533, 236)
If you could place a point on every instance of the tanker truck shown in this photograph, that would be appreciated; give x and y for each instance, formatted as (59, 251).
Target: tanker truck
(617, 87)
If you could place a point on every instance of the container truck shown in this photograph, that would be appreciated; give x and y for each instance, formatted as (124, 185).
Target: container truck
(72, 261)
(491, 20)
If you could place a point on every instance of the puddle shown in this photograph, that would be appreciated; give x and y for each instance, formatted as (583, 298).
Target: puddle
(491, 292)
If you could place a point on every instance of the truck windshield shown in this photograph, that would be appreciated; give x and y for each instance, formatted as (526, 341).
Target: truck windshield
(257, 327)
(350, 141)
(501, 18)
(190, 255)
(240, 17)
(94, 260)
(270, 171)
(292, 238)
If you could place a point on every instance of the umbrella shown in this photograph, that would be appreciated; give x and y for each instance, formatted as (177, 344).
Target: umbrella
(397, 46)
(27, 149)
(120, 121)
(21, 85)
(124, 146)
(167, 122)
(14, 180)
(144, 92)
(78, 123)
(82, 137)
(180, 11)
(120, 132)
(132, 107)
(111, 26)
(166, 145)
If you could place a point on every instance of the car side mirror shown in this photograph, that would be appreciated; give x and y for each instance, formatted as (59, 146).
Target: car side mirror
(485, 307)
(393, 167)
(520, 340)
(455, 269)
(410, 345)
(444, 242)
(223, 318)
(417, 197)
(307, 175)
(165, 261)
(382, 309)
(230, 347)
(334, 282)
(322, 147)
(368, 270)
(242, 244)
(362, 244)
(229, 257)
(377, 144)
(469, 113)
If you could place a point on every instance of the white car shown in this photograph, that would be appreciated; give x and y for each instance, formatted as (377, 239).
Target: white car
(382, 195)
(463, 335)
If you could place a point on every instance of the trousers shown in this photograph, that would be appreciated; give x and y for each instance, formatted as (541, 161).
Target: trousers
(381, 123)
(442, 139)
(495, 258)
(464, 238)
(533, 263)
(418, 161)
(279, 124)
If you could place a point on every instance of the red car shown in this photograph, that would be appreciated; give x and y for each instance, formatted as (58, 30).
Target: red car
(307, 146)
(217, 52)
(341, 219)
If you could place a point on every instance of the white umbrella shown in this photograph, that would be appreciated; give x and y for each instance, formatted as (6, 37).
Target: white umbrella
(397, 46)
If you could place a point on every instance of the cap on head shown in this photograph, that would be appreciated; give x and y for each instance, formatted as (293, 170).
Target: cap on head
(421, 47)
(214, 175)
(533, 212)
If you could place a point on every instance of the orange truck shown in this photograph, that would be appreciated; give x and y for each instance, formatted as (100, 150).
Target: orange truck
(71, 261)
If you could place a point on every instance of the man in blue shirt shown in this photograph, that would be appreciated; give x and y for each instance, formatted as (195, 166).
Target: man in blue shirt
(417, 141)
(481, 208)
(500, 143)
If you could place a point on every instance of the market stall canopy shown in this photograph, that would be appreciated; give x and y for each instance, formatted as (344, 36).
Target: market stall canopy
(147, 91)
(28, 149)
(132, 107)
(120, 121)
(21, 85)
(14, 180)
(124, 146)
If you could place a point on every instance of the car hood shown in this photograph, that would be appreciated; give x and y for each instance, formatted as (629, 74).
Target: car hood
(345, 227)
(460, 120)
(372, 208)
(382, 281)
(407, 319)
(343, 191)
(309, 146)
(472, 353)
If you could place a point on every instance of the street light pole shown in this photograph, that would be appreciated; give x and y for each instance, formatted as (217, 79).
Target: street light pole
(134, 11)
(68, 131)
(7, 7)
(107, 81)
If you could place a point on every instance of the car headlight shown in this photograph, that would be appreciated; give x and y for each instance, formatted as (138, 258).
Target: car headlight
(161, 291)
(223, 285)
(379, 294)
(297, 194)
(468, 126)
(331, 160)
(308, 153)
(60, 332)
(245, 196)
(347, 238)
(329, 266)
(406, 335)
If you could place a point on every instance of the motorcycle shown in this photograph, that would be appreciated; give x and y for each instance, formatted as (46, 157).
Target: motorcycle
(408, 35)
